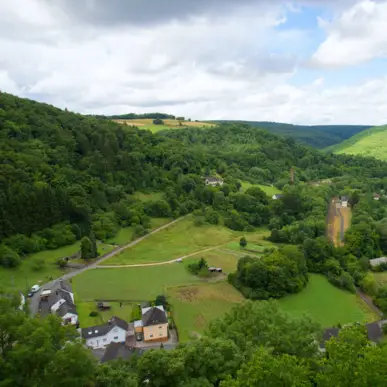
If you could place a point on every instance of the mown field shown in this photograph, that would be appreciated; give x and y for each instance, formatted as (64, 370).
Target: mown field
(327, 304)
(269, 190)
(147, 123)
(195, 306)
(84, 309)
(180, 239)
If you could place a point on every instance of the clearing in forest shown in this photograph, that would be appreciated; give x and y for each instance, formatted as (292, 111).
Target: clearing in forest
(195, 306)
(338, 221)
(327, 304)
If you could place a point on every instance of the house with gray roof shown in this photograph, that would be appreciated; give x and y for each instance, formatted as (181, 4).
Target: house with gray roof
(378, 261)
(100, 336)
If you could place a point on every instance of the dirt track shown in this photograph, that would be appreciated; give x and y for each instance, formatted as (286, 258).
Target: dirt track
(338, 221)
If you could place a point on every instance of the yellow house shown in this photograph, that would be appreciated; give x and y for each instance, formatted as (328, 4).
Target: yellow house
(155, 324)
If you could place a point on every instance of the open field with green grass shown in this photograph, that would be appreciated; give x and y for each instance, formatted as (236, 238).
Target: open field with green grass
(193, 307)
(380, 278)
(371, 142)
(147, 123)
(270, 191)
(228, 261)
(84, 309)
(180, 239)
(125, 235)
(130, 284)
(148, 197)
(327, 304)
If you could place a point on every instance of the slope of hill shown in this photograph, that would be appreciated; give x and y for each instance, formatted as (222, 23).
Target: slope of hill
(371, 143)
(318, 136)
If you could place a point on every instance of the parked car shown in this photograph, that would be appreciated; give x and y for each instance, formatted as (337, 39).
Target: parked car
(30, 294)
(35, 288)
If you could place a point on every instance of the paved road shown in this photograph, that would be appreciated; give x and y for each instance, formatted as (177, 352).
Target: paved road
(34, 301)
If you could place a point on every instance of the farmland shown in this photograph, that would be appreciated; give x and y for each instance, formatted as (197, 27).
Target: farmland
(195, 306)
(147, 123)
(327, 304)
(180, 239)
(339, 220)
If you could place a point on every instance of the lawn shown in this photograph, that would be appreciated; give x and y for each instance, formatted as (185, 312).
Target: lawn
(194, 306)
(26, 275)
(130, 284)
(148, 197)
(180, 239)
(226, 260)
(381, 278)
(269, 190)
(84, 309)
(327, 304)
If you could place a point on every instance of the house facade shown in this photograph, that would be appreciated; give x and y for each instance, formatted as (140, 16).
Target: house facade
(344, 201)
(155, 324)
(213, 181)
(100, 336)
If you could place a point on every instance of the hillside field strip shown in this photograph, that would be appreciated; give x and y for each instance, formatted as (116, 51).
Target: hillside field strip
(269, 190)
(147, 123)
(338, 221)
(182, 238)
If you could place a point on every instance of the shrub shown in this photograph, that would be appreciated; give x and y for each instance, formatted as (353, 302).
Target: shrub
(93, 313)
(196, 268)
(243, 242)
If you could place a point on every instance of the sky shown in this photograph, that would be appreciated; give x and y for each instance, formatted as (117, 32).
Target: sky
(302, 62)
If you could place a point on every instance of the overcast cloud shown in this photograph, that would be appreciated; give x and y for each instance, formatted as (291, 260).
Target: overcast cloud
(212, 59)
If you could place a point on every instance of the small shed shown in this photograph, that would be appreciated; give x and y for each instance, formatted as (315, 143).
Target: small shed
(212, 269)
(219, 270)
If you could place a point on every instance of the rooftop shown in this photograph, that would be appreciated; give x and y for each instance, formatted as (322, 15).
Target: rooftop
(378, 261)
(153, 316)
(103, 329)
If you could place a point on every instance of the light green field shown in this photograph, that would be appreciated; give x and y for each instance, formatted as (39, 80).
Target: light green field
(228, 261)
(148, 197)
(24, 276)
(130, 284)
(327, 304)
(193, 307)
(380, 278)
(180, 239)
(371, 142)
(270, 191)
(147, 123)
(84, 309)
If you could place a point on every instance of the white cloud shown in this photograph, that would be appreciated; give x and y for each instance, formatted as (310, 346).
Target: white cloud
(357, 35)
(228, 66)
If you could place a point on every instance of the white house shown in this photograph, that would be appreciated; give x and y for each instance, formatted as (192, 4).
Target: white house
(114, 331)
(213, 181)
(344, 201)
(68, 313)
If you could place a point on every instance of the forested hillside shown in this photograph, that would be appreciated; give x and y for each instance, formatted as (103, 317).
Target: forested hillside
(371, 143)
(58, 167)
(318, 136)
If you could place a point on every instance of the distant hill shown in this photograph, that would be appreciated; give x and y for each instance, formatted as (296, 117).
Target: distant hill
(371, 142)
(318, 136)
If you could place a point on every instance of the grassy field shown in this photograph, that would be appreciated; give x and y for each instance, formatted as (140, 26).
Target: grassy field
(194, 306)
(147, 123)
(218, 258)
(270, 191)
(180, 239)
(130, 284)
(148, 197)
(327, 304)
(84, 309)
(125, 235)
(381, 278)
(371, 142)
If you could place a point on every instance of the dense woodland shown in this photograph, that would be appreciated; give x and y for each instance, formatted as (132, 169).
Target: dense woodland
(255, 344)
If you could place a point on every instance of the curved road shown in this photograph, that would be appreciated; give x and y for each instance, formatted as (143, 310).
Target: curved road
(34, 301)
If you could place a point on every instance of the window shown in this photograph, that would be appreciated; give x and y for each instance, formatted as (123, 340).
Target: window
(115, 329)
(150, 335)
(104, 339)
(160, 327)
(115, 337)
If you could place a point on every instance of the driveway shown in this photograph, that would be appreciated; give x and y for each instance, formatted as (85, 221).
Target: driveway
(34, 300)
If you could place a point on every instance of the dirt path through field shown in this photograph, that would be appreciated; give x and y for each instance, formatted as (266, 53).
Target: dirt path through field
(338, 221)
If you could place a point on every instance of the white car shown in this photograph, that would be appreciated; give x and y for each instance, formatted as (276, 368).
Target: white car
(35, 288)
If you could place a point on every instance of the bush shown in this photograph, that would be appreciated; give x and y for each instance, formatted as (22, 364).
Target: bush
(8, 257)
(196, 268)
(139, 231)
(93, 313)
(136, 314)
(62, 262)
(243, 242)
(158, 121)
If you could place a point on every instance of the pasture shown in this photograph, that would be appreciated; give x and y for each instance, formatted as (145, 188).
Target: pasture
(84, 309)
(130, 284)
(147, 123)
(193, 307)
(180, 239)
(327, 304)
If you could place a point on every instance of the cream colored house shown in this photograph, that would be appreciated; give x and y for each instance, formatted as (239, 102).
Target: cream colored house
(155, 324)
